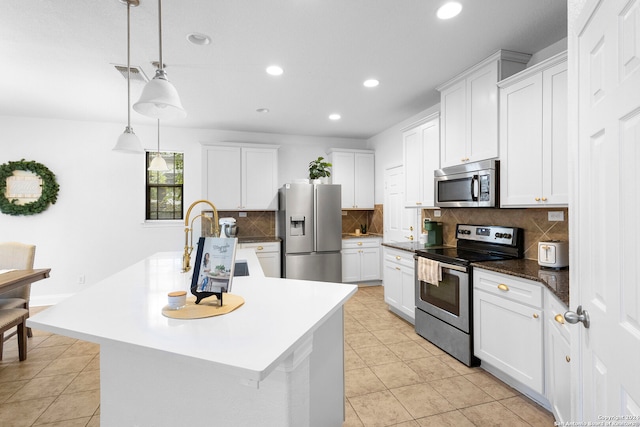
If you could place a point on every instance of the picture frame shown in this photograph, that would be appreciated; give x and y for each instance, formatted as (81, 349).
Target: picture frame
(214, 267)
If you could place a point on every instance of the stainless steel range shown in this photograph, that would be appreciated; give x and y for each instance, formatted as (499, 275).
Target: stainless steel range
(444, 310)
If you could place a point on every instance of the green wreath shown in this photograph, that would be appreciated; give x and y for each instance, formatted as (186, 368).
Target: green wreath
(49, 188)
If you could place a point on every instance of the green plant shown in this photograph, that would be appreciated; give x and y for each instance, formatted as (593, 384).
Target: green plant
(319, 168)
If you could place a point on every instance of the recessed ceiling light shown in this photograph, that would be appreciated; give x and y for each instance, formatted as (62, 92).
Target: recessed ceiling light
(449, 10)
(198, 38)
(371, 83)
(262, 110)
(335, 116)
(275, 70)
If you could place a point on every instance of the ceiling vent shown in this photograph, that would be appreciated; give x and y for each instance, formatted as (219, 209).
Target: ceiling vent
(137, 75)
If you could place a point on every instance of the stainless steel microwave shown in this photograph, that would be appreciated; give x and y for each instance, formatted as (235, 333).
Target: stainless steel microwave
(471, 185)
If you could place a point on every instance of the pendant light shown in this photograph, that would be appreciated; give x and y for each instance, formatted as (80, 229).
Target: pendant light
(160, 98)
(129, 142)
(158, 164)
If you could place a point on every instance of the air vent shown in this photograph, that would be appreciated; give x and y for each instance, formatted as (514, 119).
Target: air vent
(137, 75)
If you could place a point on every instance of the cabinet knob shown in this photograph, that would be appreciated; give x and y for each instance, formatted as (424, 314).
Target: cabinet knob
(567, 358)
(259, 248)
(411, 228)
(418, 203)
(503, 287)
(559, 318)
(397, 268)
(544, 199)
(537, 199)
(409, 237)
(535, 315)
(398, 258)
(359, 243)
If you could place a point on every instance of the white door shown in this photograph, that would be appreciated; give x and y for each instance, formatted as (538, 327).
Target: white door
(393, 203)
(605, 146)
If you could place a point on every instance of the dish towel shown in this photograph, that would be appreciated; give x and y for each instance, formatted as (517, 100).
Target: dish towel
(429, 271)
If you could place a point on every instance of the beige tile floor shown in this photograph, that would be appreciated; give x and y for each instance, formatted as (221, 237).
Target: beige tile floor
(393, 378)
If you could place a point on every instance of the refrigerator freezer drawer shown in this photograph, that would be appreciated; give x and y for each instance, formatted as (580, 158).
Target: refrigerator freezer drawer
(322, 267)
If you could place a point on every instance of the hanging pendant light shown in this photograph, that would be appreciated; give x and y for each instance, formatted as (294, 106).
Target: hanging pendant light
(158, 164)
(159, 97)
(129, 142)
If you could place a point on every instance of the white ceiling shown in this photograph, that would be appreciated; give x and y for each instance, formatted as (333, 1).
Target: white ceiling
(56, 58)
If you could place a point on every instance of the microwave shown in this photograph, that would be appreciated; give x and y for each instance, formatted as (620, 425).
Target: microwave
(471, 185)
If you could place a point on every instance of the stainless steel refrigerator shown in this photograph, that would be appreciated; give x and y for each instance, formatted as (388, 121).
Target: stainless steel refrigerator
(310, 226)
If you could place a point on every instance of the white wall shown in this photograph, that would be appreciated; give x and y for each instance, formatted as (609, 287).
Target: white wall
(97, 225)
(388, 148)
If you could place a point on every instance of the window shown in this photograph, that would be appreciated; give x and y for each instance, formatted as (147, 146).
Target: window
(164, 189)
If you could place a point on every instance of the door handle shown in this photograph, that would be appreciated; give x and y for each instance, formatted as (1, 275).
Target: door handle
(579, 316)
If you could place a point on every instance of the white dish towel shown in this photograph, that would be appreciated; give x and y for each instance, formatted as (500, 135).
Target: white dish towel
(429, 271)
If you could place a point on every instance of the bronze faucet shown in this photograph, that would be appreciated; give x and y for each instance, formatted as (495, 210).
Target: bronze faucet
(188, 248)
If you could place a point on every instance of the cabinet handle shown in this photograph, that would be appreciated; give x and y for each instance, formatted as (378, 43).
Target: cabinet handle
(398, 258)
(544, 199)
(559, 318)
(535, 315)
(359, 243)
(259, 248)
(411, 228)
(567, 358)
(418, 203)
(397, 268)
(537, 199)
(503, 287)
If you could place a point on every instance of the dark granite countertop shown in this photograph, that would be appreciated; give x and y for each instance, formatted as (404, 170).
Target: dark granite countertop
(258, 239)
(408, 246)
(555, 280)
(361, 236)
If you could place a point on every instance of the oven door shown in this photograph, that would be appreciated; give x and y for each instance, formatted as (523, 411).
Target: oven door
(449, 299)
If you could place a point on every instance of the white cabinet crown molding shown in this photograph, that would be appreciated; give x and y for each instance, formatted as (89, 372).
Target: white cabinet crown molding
(534, 69)
(503, 55)
(348, 150)
(238, 144)
(421, 121)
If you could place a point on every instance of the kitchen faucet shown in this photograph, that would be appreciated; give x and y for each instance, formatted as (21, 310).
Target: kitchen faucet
(188, 244)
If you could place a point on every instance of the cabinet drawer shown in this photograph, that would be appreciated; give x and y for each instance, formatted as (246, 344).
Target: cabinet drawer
(402, 258)
(510, 287)
(555, 310)
(367, 242)
(261, 246)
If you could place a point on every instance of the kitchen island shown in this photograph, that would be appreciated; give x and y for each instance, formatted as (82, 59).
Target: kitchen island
(275, 361)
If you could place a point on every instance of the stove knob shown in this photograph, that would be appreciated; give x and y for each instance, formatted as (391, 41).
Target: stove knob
(506, 235)
(499, 235)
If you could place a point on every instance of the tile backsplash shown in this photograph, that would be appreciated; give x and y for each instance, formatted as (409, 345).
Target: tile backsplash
(352, 219)
(258, 224)
(535, 223)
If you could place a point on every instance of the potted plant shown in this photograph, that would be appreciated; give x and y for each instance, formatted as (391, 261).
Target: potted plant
(319, 169)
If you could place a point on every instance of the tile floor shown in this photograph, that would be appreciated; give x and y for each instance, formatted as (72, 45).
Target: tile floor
(393, 378)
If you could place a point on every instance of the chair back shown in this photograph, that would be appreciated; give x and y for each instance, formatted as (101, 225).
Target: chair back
(19, 256)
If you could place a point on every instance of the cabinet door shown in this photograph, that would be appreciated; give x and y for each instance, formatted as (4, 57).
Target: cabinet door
(270, 263)
(350, 265)
(364, 180)
(453, 106)
(521, 138)
(412, 153)
(408, 303)
(392, 279)
(558, 373)
(369, 264)
(430, 135)
(260, 179)
(223, 180)
(555, 178)
(509, 337)
(343, 173)
(482, 114)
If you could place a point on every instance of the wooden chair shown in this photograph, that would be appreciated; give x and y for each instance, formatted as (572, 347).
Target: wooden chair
(16, 256)
(9, 318)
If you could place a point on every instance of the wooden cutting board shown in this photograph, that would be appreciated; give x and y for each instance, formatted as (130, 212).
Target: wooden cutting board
(207, 308)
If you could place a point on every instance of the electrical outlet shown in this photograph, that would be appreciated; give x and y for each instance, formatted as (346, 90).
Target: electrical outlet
(556, 216)
(437, 213)
(242, 214)
(81, 279)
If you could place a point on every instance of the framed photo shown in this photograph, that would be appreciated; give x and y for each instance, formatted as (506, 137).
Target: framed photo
(214, 267)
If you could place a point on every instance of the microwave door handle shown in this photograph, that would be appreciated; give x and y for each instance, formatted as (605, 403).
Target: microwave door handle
(475, 188)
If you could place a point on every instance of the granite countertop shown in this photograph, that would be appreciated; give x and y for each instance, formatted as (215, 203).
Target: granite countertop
(360, 236)
(258, 239)
(409, 246)
(555, 280)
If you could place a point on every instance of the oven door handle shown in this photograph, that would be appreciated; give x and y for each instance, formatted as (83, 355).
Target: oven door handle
(453, 267)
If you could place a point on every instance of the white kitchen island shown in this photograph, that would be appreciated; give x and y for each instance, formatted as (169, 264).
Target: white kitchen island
(275, 361)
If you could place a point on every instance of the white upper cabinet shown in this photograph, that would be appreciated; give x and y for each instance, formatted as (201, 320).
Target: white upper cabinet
(421, 151)
(354, 171)
(533, 136)
(241, 176)
(469, 108)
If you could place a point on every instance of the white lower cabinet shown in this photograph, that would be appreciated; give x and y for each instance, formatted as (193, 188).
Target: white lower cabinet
(399, 282)
(558, 359)
(269, 256)
(521, 337)
(508, 326)
(361, 259)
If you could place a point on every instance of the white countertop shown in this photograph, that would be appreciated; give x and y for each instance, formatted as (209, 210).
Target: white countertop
(278, 314)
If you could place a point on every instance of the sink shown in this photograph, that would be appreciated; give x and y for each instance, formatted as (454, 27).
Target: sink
(241, 269)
